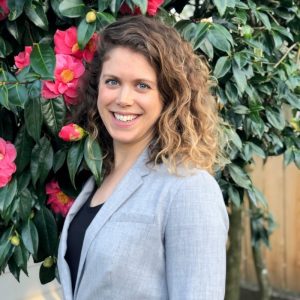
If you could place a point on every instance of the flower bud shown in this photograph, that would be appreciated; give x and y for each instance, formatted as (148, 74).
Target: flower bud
(71, 133)
(90, 17)
(48, 262)
(15, 240)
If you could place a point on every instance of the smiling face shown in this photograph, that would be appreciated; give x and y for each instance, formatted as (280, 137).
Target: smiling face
(129, 102)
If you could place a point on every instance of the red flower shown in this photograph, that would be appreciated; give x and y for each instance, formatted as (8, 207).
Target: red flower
(4, 10)
(8, 154)
(59, 202)
(67, 71)
(66, 43)
(22, 60)
(152, 7)
(71, 133)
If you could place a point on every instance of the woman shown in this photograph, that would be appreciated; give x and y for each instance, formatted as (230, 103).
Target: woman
(157, 226)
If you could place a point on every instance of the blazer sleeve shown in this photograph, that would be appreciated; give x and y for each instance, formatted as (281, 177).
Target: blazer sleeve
(195, 241)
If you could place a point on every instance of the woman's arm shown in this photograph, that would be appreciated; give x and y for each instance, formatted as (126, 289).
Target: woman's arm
(195, 241)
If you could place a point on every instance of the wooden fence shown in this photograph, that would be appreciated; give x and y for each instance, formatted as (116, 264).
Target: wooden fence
(281, 186)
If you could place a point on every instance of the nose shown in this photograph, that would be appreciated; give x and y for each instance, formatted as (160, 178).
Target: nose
(125, 96)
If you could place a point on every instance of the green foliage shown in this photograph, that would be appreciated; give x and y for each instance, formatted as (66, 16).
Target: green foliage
(253, 51)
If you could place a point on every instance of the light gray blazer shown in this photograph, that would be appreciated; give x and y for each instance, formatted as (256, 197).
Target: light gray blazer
(157, 237)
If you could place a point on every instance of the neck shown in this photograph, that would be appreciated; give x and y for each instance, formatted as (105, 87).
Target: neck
(125, 155)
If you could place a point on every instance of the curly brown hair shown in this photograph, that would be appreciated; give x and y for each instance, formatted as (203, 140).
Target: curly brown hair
(187, 131)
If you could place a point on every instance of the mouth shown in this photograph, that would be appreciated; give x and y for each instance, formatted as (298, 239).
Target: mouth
(125, 117)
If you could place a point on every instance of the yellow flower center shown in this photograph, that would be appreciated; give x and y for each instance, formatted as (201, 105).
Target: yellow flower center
(1, 156)
(63, 198)
(75, 48)
(67, 75)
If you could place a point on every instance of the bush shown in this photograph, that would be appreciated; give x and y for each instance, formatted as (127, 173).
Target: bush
(253, 50)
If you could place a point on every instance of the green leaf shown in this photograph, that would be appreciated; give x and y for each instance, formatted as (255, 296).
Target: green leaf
(207, 48)
(234, 196)
(74, 159)
(30, 237)
(21, 256)
(221, 6)
(26, 74)
(16, 9)
(59, 159)
(6, 250)
(17, 94)
(115, 5)
(4, 96)
(231, 92)
(239, 176)
(241, 59)
(25, 204)
(264, 19)
(54, 114)
(199, 33)
(47, 231)
(275, 117)
(72, 8)
(47, 274)
(33, 118)
(292, 99)
(258, 150)
(93, 158)
(218, 40)
(24, 145)
(222, 67)
(103, 5)
(142, 4)
(43, 60)
(104, 19)
(85, 32)
(42, 160)
(288, 156)
(241, 109)
(36, 14)
(240, 78)
(7, 194)
(2, 48)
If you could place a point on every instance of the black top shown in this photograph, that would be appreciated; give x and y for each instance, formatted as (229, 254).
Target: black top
(76, 233)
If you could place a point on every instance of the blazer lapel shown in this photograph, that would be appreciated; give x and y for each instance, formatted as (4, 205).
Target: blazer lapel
(125, 188)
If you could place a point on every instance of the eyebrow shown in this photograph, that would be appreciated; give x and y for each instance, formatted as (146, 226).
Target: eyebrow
(137, 79)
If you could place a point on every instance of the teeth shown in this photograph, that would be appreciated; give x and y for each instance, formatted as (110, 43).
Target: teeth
(125, 118)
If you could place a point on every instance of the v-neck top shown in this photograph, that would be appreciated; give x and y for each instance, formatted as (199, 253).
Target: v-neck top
(76, 233)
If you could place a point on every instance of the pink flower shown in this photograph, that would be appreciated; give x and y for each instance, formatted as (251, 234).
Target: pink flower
(152, 7)
(8, 154)
(66, 43)
(71, 133)
(67, 71)
(4, 10)
(90, 48)
(22, 60)
(59, 202)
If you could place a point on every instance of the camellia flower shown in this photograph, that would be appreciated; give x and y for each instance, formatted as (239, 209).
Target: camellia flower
(59, 202)
(8, 154)
(67, 71)
(66, 43)
(152, 7)
(22, 60)
(4, 10)
(71, 133)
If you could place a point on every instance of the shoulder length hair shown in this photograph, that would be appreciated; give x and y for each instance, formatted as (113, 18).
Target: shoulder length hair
(187, 132)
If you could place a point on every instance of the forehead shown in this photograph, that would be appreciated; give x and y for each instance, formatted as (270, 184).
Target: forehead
(126, 60)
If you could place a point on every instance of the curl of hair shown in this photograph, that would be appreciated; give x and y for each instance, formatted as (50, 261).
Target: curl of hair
(187, 132)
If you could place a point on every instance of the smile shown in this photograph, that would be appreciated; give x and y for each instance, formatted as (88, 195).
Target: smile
(124, 118)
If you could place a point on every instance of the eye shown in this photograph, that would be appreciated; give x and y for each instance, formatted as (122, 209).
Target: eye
(143, 86)
(111, 82)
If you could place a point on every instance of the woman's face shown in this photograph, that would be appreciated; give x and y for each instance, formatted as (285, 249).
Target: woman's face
(129, 102)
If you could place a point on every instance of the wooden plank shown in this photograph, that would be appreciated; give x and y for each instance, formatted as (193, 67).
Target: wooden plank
(292, 232)
(274, 192)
